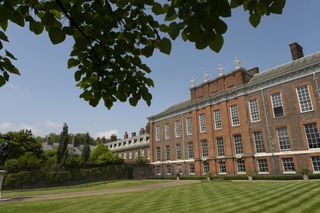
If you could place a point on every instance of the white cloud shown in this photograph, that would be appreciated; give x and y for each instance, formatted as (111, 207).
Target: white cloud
(106, 133)
(40, 128)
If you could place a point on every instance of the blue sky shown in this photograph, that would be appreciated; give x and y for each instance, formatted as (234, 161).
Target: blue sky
(45, 96)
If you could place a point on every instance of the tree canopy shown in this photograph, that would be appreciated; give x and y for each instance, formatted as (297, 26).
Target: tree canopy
(111, 37)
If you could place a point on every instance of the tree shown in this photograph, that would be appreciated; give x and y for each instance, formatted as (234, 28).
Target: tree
(86, 149)
(102, 156)
(62, 150)
(112, 36)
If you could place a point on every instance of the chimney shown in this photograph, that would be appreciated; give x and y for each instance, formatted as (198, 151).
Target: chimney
(142, 131)
(296, 51)
(125, 135)
(113, 137)
(148, 128)
(133, 134)
(253, 71)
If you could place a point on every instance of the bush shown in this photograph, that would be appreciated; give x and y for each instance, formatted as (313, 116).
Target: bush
(28, 161)
(314, 176)
(281, 177)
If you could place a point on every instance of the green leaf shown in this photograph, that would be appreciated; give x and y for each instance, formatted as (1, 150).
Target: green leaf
(2, 81)
(77, 75)
(164, 28)
(277, 6)
(148, 50)
(10, 55)
(254, 20)
(3, 36)
(17, 18)
(72, 62)
(236, 3)
(220, 26)
(165, 46)
(4, 25)
(56, 35)
(157, 9)
(36, 27)
(174, 30)
(216, 43)
(171, 15)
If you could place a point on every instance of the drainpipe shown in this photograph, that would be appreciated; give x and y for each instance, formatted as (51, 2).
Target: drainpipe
(268, 131)
(316, 83)
(182, 153)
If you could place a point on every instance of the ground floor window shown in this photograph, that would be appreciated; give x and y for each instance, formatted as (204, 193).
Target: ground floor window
(288, 165)
(191, 169)
(168, 167)
(158, 170)
(241, 167)
(316, 163)
(179, 169)
(205, 167)
(263, 166)
(222, 167)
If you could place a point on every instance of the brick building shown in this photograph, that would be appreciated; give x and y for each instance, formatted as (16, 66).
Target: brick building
(266, 122)
(129, 148)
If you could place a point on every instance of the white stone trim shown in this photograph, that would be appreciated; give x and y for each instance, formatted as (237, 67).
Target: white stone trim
(171, 161)
(310, 151)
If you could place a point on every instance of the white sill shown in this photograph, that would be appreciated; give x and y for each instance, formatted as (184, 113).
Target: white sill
(222, 173)
(168, 174)
(218, 128)
(241, 173)
(316, 172)
(191, 173)
(235, 125)
(263, 173)
(307, 111)
(290, 173)
(202, 131)
(255, 121)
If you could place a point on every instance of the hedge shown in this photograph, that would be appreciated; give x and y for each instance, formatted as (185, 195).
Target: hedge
(42, 178)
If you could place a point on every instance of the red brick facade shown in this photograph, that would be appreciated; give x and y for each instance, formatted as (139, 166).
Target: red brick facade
(265, 145)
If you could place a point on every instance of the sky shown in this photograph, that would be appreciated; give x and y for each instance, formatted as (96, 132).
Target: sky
(45, 95)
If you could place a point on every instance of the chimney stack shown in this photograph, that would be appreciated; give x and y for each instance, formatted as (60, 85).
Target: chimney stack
(125, 135)
(142, 131)
(113, 137)
(296, 51)
(133, 134)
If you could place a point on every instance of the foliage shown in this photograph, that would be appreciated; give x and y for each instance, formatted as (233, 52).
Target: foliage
(101, 156)
(86, 149)
(22, 142)
(28, 161)
(111, 37)
(73, 162)
(140, 160)
(62, 151)
(304, 171)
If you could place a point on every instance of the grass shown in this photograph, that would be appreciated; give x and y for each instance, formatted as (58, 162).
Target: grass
(215, 196)
(77, 188)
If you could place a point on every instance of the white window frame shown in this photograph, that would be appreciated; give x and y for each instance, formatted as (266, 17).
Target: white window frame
(157, 133)
(225, 166)
(234, 115)
(259, 168)
(158, 154)
(314, 171)
(178, 125)
(203, 167)
(168, 153)
(204, 149)
(194, 169)
(238, 144)
(167, 131)
(313, 134)
(288, 172)
(217, 119)
(254, 110)
(219, 151)
(189, 125)
(255, 141)
(178, 151)
(189, 151)
(308, 97)
(202, 123)
(286, 137)
(239, 165)
(272, 103)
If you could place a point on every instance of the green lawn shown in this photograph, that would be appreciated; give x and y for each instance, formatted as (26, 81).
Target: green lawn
(215, 196)
(77, 188)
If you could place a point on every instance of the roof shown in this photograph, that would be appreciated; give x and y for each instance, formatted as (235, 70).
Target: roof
(256, 79)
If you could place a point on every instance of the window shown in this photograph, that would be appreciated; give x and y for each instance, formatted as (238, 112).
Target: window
(238, 144)
(304, 99)
(254, 110)
(178, 129)
(158, 170)
(288, 165)
(190, 150)
(157, 133)
(179, 169)
(130, 155)
(167, 152)
(178, 150)
(316, 164)
(136, 154)
(283, 139)
(142, 153)
(258, 140)
(168, 168)
(167, 131)
(241, 167)
(222, 167)
(313, 137)
(204, 146)
(158, 154)
(263, 166)
(205, 167)
(189, 126)
(220, 146)
(217, 119)
(277, 105)
(202, 122)
(234, 115)
(125, 156)
(191, 169)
